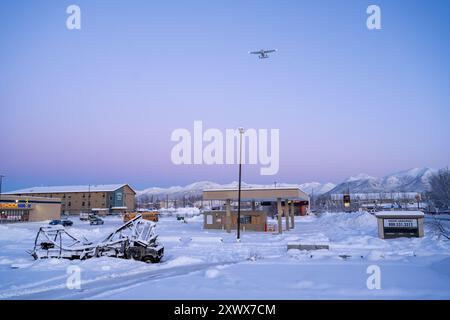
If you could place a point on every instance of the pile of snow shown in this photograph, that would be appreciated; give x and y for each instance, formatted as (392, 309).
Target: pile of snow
(14, 232)
(188, 212)
(183, 261)
(184, 212)
(212, 273)
(350, 220)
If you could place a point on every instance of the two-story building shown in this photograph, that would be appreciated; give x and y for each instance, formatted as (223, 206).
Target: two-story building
(106, 198)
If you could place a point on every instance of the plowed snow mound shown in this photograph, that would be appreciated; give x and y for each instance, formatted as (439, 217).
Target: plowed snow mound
(14, 233)
(361, 221)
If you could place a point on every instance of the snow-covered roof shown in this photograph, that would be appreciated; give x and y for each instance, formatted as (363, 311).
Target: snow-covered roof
(69, 189)
(256, 194)
(399, 213)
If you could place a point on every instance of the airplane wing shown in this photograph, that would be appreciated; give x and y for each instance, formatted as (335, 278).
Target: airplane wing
(270, 51)
(255, 52)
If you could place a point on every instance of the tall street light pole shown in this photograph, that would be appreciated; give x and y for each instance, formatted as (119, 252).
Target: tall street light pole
(241, 132)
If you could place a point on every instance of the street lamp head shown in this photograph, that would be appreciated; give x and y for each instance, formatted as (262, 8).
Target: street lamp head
(241, 130)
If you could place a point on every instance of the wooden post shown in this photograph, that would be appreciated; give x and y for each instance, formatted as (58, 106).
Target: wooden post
(292, 215)
(228, 216)
(280, 213)
(286, 213)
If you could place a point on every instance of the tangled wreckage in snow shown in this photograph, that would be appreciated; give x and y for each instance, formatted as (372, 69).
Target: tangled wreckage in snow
(136, 239)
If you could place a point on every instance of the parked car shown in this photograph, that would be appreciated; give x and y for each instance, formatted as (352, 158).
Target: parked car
(96, 221)
(55, 222)
(64, 222)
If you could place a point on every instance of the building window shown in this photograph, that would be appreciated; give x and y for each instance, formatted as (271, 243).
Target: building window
(70, 203)
(82, 204)
(246, 220)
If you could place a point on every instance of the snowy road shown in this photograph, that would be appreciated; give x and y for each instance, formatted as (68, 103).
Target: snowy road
(210, 264)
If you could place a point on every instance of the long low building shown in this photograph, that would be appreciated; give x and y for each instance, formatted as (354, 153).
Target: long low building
(106, 198)
(23, 209)
(286, 200)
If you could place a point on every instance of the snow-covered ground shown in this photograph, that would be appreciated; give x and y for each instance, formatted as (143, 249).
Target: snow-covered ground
(209, 264)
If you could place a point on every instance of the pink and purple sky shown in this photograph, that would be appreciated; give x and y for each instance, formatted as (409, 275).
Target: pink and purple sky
(98, 105)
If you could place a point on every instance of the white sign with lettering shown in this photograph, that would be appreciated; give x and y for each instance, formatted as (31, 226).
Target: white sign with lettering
(400, 223)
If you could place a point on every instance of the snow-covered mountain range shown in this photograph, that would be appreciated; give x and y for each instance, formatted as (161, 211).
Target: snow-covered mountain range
(412, 180)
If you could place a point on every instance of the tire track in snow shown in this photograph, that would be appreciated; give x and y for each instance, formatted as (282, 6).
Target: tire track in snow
(105, 285)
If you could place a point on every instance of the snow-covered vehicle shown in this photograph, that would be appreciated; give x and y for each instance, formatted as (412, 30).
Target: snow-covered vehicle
(63, 222)
(96, 221)
(136, 239)
(84, 216)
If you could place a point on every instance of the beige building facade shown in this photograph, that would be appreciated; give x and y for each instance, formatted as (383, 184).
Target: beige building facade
(23, 208)
(108, 199)
(250, 220)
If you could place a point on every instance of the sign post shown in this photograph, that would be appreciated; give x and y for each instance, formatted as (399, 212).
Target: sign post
(395, 224)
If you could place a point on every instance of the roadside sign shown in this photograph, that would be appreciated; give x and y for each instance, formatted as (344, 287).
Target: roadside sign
(400, 223)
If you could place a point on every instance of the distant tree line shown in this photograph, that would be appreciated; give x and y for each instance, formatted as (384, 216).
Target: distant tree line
(439, 193)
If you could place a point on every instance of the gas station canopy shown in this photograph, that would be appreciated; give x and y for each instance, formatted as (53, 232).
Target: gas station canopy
(256, 194)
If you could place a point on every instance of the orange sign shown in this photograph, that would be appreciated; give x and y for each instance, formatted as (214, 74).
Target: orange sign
(8, 206)
(15, 205)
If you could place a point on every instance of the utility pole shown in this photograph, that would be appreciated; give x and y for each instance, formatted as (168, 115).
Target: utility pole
(241, 132)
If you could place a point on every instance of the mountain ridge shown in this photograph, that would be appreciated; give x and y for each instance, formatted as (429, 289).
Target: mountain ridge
(410, 180)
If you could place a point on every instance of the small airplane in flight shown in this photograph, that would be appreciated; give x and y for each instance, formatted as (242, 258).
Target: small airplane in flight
(263, 54)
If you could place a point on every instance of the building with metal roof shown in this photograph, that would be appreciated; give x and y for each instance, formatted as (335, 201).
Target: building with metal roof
(109, 198)
(285, 200)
